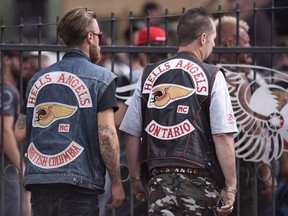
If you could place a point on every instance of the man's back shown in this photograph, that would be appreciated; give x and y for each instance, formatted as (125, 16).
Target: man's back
(61, 103)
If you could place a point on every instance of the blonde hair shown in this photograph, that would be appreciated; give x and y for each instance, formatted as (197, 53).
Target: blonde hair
(230, 21)
(228, 27)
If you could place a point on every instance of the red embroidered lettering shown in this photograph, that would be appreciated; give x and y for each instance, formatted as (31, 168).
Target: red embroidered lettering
(182, 109)
(202, 88)
(188, 65)
(63, 127)
(179, 64)
(176, 132)
(53, 161)
(171, 132)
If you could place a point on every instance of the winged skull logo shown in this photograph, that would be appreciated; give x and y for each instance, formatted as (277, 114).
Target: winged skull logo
(47, 113)
(261, 113)
(164, 94)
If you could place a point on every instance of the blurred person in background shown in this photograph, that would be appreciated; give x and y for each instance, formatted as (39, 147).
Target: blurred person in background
(126, 86)
(32, 63)
(10, 65)
(263, 28)
(242, 92)
(153, 10)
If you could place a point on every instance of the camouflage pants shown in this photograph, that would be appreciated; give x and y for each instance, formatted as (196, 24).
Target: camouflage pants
(181, 194)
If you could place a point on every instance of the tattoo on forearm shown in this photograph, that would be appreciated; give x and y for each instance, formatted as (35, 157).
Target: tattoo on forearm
(21, 122)
(110, 153)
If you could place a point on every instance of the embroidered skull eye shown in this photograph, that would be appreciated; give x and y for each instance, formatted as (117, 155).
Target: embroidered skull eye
(41, 113)
(158, 94)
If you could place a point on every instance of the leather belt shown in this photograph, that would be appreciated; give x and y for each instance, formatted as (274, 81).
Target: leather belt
(185, 170)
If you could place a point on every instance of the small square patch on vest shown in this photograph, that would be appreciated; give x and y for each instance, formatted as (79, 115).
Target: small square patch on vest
(64, 128)
(182, 109)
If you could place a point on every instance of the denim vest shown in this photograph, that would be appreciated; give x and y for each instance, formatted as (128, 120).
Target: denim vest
(61, 117)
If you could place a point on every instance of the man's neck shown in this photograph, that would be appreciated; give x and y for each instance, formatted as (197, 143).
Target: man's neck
(190, 50)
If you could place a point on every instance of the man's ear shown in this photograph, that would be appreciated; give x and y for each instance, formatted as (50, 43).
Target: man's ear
(203, 38)
(89, 38)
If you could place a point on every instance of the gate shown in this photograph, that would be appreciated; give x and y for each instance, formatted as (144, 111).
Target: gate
(265, 151)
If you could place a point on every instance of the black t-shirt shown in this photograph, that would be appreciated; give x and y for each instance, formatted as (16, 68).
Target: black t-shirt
(108, 99)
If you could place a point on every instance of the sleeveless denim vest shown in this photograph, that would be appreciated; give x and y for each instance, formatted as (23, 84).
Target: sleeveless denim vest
(61, 114)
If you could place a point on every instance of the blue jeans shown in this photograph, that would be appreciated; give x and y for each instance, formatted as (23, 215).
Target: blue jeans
(63, 201)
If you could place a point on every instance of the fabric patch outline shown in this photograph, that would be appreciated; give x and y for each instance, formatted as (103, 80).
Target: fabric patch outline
(163, 95)
(45, 114)
(70, 80)
(171, 132)
(194, 71)
(54, 161)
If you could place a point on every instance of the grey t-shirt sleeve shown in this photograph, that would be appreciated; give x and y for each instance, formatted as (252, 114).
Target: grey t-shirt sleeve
(222, 118)
(132, 121)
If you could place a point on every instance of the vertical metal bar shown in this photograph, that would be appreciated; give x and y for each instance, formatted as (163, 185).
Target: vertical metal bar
(131, 27)
(219, 25)
(39, 40)
(131, 30)
(2, 126)
(254, 33)
(21, 192)
(254, 23)
(237, 30)
(21, 59)
(148, 18)
(273, 162)
(166, 26)
(272, 31)
(148, 34)
(183, 10)
(57, 37)
(132, 200)
(112, 40)
(237, 23)
(112, 65)
(255, 176)
(219, 33)
(239, 192)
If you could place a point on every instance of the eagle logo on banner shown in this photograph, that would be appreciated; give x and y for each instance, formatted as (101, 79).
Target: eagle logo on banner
(164, 94)
(47, 113)
(260, 107)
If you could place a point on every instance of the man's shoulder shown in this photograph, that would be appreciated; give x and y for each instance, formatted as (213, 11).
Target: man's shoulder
(83, 70)
(10, 89)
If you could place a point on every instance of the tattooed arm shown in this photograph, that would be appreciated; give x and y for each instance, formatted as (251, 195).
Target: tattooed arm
(109, 148)
(20, 128)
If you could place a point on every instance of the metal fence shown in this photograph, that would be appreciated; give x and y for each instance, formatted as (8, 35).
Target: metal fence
(119, 49)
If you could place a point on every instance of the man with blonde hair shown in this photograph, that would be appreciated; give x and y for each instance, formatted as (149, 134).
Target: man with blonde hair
(230, 36)
(227, 37)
